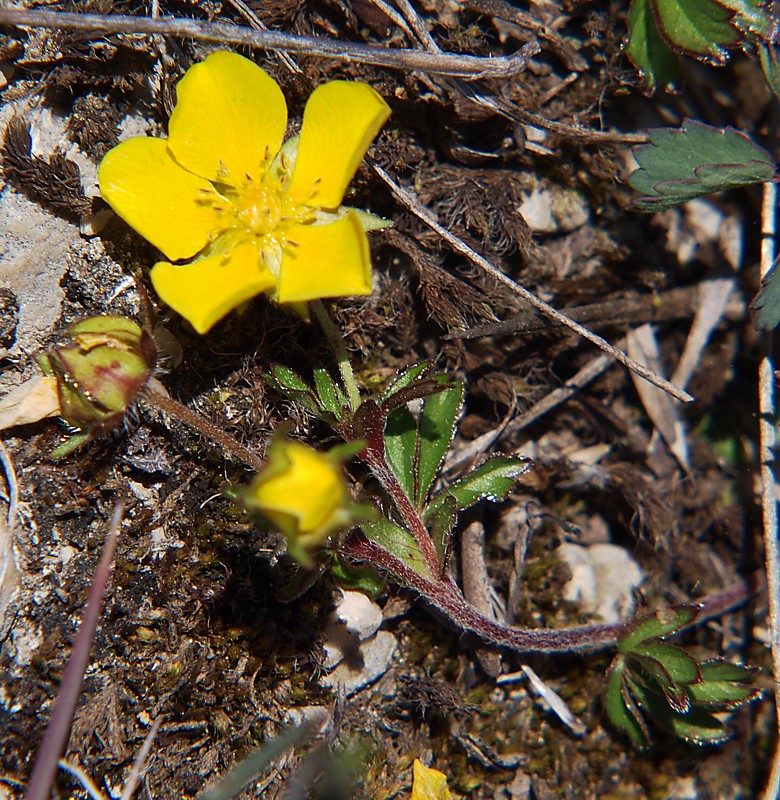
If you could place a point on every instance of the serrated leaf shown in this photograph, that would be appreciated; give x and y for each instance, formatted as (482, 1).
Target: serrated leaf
(766, 303)
(681, 667)
(405, 378)
(437, 427)
(327, 391)
(657, 65)
(701, 29)
(491, 480)
(401, 447)
(694, 160)
(399, 543)
(724, 686)
(625, 717)
(696, 726)
(663, 622)
(357, 577)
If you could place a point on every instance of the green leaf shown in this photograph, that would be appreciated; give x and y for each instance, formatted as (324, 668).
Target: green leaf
(770, 64)
(357, 577)
(664, 622)
(681, 667)
(695, 160)
(696, 726)
(657, 65)
(398, 542)
(624, 716)
(331, 397)
(698, 28)
(766, 303)
(652, 674)
(405, 378)
(289, 383)
(724, 686)
(401, 447)
(751, 17)
(441, 522)
(492, 480)
(437, 427)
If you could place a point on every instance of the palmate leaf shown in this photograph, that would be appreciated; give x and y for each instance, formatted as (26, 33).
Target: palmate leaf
(657, 65)
(694, 160)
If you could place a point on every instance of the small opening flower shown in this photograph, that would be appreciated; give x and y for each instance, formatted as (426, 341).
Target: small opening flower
(241, 212)
(302, 493)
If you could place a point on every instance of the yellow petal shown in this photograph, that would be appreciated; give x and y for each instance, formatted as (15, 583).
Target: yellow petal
(339, 123)
(325, 261)
(230, 115)
(208, 288)
(429, 784)
(144, 185)
(310, 489)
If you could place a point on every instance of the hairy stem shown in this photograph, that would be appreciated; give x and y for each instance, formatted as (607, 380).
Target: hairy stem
(204, 426)
(336, 341)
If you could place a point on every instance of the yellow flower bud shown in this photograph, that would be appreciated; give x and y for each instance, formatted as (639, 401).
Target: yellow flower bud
(302, 493)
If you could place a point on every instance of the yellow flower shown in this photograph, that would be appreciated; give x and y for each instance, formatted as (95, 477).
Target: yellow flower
(303, 494)
(247, 213)
(429, 784)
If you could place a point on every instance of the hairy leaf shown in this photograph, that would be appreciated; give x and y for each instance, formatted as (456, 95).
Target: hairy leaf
(398, 542)
(724, 686)
(664, 622)
(492, 480)
(405, 378)
(437, 427)
(401, 447)
(681, 667)
(696, 726)
(330, 396)
(694, 160)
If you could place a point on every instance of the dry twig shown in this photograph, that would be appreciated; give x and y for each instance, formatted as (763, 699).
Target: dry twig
(469, 67)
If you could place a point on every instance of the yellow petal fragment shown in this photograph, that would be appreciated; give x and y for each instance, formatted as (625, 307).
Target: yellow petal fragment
(340, 121)
(166, 204)
(208, 288)
(230, 115)
(311, 489)
(429, 784)
(325, 261)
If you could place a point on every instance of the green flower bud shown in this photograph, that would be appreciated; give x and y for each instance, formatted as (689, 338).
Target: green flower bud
(100, 373)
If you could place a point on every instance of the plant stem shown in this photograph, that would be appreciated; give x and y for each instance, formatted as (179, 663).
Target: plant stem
(336, 341)
(204, 426)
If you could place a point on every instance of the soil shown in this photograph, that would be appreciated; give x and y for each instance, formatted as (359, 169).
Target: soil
(197, 628)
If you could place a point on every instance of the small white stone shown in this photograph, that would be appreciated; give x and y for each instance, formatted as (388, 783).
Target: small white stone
(604, 577)
(375, 656)
(359, 614)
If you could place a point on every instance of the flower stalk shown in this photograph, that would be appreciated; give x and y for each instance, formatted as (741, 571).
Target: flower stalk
(336, 341)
